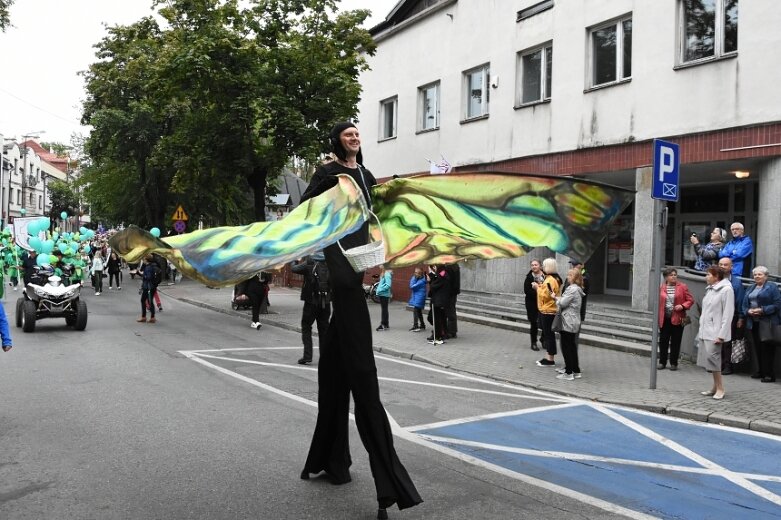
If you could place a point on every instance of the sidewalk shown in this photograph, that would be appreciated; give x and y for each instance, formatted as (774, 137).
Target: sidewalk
(608, 376)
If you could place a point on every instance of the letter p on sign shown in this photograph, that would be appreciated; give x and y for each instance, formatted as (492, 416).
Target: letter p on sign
(666, 170)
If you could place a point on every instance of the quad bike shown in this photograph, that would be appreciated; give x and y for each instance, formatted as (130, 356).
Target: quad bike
(47, 297)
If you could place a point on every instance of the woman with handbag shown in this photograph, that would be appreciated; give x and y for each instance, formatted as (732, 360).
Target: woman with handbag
(546, 305)
(569, 304)
(674, 300)
(718, 306)
(761, 306)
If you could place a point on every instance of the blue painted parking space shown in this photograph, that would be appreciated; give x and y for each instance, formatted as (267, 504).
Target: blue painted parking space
(654, 465)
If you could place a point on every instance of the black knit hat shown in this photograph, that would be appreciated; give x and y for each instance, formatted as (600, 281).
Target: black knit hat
(336, 143)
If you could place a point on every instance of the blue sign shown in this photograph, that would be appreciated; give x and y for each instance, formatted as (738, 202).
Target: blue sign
(667, 159)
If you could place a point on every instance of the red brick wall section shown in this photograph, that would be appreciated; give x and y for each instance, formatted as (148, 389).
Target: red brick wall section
(695, 148)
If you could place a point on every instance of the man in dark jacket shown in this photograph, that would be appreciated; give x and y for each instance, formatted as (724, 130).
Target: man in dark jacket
(451, 323)
(317, 301)
(439, 292)
(535, 274)
(738, 319)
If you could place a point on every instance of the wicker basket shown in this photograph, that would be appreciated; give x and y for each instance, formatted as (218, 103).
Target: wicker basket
(366, 256)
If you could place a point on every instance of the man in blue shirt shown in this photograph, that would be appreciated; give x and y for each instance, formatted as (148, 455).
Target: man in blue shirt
(739, 250)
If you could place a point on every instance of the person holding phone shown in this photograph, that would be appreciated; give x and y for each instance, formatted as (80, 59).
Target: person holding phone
(547, 291)
(708, 254)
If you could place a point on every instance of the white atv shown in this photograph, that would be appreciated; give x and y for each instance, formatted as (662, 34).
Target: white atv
(50, 300)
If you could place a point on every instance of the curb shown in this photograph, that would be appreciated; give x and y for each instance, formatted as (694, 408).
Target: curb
(757, 425)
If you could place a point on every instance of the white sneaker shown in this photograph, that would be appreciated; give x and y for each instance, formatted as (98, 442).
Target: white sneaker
(97, 294)
(561, 370)
(109, 287)
(577, 375)
(15, 287)
(255, 325)
(565, 377)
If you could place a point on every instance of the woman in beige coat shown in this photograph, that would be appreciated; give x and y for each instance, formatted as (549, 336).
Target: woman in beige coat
(718, 306)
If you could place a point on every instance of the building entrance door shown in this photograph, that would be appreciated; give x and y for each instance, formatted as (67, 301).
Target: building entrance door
(620, 251)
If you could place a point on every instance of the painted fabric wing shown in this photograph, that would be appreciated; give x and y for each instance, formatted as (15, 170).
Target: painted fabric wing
(225, 256)
(445, 218)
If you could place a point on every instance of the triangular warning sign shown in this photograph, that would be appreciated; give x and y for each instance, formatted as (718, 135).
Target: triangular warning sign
(179, 214)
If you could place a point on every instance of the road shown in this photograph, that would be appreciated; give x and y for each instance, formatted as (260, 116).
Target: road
(200, 416)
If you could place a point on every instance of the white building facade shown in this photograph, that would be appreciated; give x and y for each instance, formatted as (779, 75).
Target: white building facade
(582, 87)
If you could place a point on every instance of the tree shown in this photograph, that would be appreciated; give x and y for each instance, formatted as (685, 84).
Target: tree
(63, 197)
(218, 101)
(5, 20)
(59, 149)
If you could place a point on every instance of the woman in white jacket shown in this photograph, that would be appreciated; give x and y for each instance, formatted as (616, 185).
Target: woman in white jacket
(97, 273)
(568, 305)
(718, 306)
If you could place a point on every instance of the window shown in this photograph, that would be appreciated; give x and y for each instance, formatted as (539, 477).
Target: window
(535, 69)
(476, 92)
(428, 107)
(709, 29)
(611, 52)
(18, 197)
(388, 114)
(40, 202)
(523, 14)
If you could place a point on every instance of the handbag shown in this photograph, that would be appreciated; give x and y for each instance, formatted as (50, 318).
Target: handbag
(557, 325)
(686, 320)
(739, 351)
(769, 331)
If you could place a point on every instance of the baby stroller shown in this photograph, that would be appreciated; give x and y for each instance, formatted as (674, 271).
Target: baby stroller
(239, 297)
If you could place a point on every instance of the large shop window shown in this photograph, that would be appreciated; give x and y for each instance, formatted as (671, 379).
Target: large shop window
(476, 92)
(388, 115)
(611, 52)
(535, 68)
(708, 29)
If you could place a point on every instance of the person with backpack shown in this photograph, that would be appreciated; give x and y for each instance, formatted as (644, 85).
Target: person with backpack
(384, 293)
(149, 281)
(316, 296)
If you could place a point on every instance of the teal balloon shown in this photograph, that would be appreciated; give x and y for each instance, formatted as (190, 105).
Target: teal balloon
(33, 227)
(42, 260)
(55, 236)
(47, 246)
(23, 211)
(87, 249)
(35, 243)
(64, 215)
(82, 230)
(44, 223)
(90, 234)
(155, 232)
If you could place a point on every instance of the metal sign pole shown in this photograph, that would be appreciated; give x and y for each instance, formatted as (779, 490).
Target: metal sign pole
(660, 219)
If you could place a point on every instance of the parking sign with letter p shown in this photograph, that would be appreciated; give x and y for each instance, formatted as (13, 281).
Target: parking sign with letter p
(666, 167)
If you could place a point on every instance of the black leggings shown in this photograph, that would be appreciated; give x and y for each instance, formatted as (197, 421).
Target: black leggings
(548, 337)
(112, 277)
(670, 338)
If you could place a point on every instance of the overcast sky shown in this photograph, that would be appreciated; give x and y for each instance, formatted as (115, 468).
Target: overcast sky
(51, 41)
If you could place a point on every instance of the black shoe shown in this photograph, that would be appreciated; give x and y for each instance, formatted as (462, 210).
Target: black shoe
(756, 376)
(430, 338)
(381, 328)
(535, 347)
(726, 371)
(382, 514)
(305, 475)
(304, 361)
(768, 379)
(673, 367)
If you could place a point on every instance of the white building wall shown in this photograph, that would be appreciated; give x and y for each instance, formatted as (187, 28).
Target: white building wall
(658, 101)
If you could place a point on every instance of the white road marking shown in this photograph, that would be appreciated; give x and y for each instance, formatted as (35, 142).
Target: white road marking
(390, 379)
(497, 415)
(716, 469)
(593, 458)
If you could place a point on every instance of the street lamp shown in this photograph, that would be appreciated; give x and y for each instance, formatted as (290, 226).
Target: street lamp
(27, 177)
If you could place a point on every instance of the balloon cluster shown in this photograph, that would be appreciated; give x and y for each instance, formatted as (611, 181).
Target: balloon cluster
(66, 244)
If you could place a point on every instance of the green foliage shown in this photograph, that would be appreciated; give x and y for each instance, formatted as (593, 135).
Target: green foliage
(59, 149)
(64, 198)
(216, 102)
(5, 21)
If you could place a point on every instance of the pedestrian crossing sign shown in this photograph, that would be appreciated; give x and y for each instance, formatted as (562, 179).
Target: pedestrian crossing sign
(179, 214)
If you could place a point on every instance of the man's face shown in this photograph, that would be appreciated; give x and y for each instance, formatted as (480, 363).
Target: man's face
(736, 231)
(725, 264)
(351, 140)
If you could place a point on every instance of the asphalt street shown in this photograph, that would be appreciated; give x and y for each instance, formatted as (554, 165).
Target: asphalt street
(124, 420)
(200, 416)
